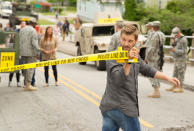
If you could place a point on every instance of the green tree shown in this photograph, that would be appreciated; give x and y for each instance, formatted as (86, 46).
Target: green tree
(182, 6)
(177, 13)
(72, 2)
(130, 7)
(7, 0)
(56, 1)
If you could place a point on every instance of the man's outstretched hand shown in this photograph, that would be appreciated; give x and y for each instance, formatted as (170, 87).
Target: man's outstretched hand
(174, 81)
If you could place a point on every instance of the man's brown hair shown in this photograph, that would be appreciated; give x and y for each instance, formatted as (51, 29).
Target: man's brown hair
(130, 29)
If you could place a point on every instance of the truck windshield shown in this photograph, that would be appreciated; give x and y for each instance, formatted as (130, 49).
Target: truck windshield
(23, 8)
(103, 31)
(7, 8)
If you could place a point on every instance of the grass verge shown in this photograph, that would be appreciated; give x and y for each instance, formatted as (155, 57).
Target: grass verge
(45, 22)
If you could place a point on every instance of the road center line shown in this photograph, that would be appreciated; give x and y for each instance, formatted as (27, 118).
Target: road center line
(81, 87)
(144, 123)
(75, 90)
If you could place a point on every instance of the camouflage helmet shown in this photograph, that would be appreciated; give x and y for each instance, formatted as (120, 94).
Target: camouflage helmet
(149, 24)
(175, 31)
(156, 23)
(119, 23)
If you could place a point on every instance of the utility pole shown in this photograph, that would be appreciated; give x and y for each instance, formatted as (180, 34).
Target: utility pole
(159, 4)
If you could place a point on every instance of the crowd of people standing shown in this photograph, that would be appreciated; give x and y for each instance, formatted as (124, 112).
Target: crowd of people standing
(38, 43)
(35, 44)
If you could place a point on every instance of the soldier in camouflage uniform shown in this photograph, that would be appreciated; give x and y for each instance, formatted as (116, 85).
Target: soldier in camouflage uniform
(29, 49)
(179, 52)
(153, 57)
(150, 27)
(115, 40)
(145, 44)
(150, 33)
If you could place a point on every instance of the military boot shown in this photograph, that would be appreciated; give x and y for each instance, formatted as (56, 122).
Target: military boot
(179, 90)
(28, 87)
(156, 93)
(171, 89)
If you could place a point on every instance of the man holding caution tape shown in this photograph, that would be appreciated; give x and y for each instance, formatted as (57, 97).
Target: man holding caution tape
(119, 105)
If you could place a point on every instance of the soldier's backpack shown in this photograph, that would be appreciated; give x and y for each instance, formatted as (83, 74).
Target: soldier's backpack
(161, 54)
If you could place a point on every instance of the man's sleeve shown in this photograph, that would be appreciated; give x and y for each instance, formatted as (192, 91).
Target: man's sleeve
(146, 70)
(115, 71)
(182, 49)
(35, 40)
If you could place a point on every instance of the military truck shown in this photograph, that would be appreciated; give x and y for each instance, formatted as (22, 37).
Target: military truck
(94, 38)
(22, 12)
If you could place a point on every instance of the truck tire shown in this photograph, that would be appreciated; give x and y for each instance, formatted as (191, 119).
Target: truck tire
(80, 54)
(100, 65)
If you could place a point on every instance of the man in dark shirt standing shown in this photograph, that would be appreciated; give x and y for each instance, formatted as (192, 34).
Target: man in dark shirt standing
(119, 105)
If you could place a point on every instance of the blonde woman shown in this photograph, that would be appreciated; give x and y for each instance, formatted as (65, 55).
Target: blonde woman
(48, 45)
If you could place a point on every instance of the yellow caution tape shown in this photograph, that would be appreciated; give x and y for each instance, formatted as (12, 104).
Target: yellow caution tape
(25, 19)
(126, 60)
(108, 20)
(115, 55)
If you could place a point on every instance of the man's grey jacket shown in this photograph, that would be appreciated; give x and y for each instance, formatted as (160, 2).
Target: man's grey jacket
(121, 90)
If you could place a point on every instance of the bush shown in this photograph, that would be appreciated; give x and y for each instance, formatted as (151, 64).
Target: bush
(60, 9)
(130, 6)
(72, 2)
(178, 13)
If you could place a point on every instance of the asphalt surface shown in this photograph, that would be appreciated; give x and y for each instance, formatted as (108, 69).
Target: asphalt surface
(73, 105)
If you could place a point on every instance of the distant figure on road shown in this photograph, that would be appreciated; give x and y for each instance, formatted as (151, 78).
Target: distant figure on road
(154, 56)
(77, 23)
(179, 51)
(49, 44)
(1, 27)
(65, 28)
(57, 31)
(59, 23)
(2, 39)
(7, 28)
(119, 105)
(29, 49)
(22, 25)
(40, 35)
(57, 14)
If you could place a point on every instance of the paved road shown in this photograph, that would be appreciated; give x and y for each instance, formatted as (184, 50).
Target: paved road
(73, 105)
